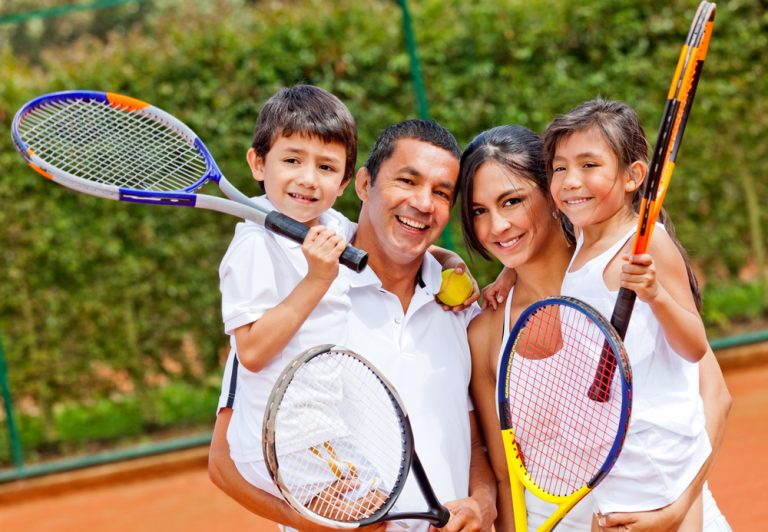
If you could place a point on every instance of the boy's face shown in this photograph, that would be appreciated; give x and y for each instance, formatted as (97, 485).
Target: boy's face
(302, 175)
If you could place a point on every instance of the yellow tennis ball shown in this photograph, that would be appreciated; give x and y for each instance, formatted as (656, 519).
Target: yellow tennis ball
(455, 289)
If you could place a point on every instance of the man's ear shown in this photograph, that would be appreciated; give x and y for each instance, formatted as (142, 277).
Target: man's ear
(636, 174)
(256, 163)
(362, 184)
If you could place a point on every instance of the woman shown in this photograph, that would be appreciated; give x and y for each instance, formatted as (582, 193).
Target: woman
(507, 213)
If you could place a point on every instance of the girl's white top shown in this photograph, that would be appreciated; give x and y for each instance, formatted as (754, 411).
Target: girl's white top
(667, 443)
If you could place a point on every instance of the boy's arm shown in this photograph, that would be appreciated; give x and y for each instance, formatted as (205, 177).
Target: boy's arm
(260, 341)
(717, 404)
(224, 474)
(660, 279)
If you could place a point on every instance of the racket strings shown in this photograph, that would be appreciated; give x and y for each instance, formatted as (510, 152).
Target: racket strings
(104, 144)
(564, 437)
(339, 439)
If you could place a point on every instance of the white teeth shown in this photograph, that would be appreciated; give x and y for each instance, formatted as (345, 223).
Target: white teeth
(411, 223)
(301, 196)
(576, 201)
(509, 243)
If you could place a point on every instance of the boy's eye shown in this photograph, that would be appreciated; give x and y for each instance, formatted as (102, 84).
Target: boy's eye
(327, 168)
(291, 160)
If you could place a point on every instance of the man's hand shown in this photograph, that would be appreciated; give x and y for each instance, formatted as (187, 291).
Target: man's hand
(466, 516)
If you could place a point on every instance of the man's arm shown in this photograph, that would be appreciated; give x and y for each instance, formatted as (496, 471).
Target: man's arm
(476, 512)
(717, 404)
(223, 472)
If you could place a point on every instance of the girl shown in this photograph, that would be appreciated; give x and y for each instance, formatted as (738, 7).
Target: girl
(596, 158)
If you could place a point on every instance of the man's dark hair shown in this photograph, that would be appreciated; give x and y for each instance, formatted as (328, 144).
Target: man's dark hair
(423, 130)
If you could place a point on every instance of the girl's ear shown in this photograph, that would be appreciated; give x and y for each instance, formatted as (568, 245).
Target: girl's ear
(636, 174)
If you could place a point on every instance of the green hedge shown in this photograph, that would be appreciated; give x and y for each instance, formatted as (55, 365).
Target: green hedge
(98, 294)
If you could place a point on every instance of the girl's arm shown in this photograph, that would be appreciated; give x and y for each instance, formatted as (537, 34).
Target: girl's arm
(660, 279)
(717, 404)
(260, 341)
(483, 340)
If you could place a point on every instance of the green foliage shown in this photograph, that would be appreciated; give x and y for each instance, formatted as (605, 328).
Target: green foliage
(100, 295)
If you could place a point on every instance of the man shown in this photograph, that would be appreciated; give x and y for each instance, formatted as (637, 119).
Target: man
(407, 188)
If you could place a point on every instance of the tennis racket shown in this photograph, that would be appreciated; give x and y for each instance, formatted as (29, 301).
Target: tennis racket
(120, 148)
(560, 444)
(338, 444)
(675, 116)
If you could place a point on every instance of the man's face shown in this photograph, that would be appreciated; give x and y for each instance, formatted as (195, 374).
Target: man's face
(409, 204)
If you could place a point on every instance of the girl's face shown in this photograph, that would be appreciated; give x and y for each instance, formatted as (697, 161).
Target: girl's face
(512, 216)
(587, 184)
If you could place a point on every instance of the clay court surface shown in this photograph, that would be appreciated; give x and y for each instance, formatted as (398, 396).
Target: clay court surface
(159, 497)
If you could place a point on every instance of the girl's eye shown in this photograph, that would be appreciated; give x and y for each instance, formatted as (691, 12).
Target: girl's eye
(510, 202)
(590, 165)
(558, 169)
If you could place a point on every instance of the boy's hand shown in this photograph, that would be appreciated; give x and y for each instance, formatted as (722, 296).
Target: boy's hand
(322, 248)
(459, 269)
(638, 274)
(495, 293)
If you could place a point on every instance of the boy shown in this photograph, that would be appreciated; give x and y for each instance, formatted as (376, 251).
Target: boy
(279, 297)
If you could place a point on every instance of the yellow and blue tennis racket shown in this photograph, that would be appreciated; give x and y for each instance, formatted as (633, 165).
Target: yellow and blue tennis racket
(559, 443)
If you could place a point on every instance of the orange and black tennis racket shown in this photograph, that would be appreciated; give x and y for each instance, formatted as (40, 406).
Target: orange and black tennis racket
(674, 119)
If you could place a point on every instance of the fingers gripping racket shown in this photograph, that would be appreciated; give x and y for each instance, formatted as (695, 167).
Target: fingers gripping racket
(338, 444)
(663, 161)
(120, 148)
(560, 444)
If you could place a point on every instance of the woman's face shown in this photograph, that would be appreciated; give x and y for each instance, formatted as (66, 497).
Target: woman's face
(513, 218)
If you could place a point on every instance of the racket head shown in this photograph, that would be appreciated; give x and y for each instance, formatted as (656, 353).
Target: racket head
(333, 421)
(111, 146)
(558, 441)
(674, 119)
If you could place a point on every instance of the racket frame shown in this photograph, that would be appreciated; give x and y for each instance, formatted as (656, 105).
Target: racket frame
(674, 119)
(437, 514)
(519, 477)
(238, 203)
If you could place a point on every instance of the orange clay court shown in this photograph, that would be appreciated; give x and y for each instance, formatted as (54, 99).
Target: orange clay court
(162, 497)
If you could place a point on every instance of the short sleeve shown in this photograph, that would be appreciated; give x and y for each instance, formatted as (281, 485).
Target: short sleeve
(247, 277)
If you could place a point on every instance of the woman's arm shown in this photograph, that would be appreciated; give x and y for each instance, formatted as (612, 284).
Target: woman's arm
(484, 341)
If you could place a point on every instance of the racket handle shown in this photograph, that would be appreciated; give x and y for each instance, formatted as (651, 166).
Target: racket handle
(277, 222)
(600, 390)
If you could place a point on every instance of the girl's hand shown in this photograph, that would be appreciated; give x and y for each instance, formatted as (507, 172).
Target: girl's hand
(459, 268)
(638, 274)
(322, 248)
(495, 293)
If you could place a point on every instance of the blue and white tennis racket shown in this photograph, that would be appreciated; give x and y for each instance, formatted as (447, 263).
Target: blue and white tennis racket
(121, 148)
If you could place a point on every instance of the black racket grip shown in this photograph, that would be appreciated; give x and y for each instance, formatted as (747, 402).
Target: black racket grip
(600, 390)
(277, 222)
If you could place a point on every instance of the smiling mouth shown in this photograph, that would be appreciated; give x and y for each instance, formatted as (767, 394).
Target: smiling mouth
(509, 243)
(302, 197)
(411, 224)
(576, 201)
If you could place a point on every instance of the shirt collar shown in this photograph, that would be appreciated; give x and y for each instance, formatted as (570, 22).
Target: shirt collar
(428, 278)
